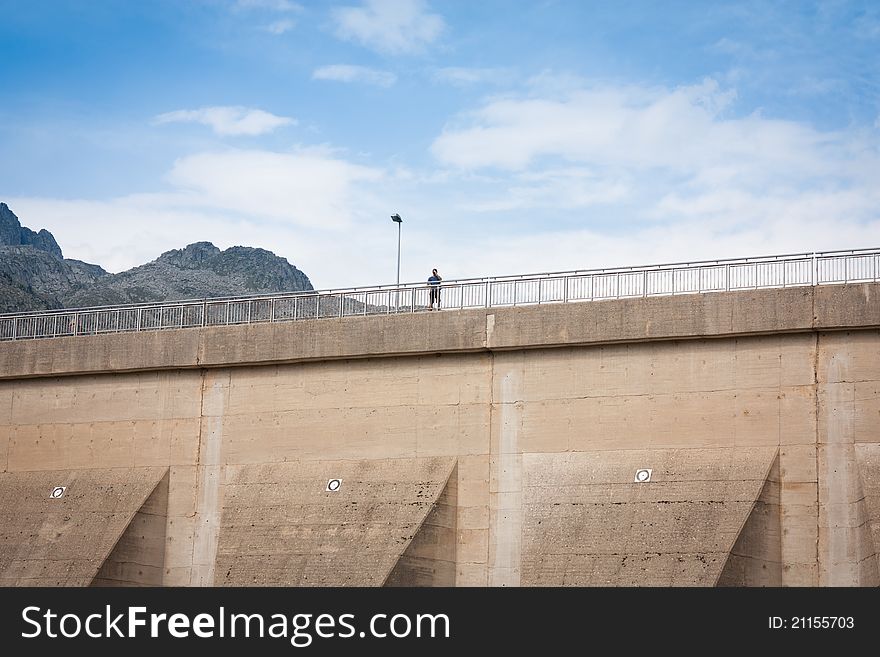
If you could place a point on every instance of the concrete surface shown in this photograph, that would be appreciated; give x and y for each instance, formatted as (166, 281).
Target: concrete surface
(64, 541)
(506, 400)
(429, 560)
(868, 459)
(138, 559)
(281, 527)
(756, 557)
(718, 314)
(587, 523)
(847, 397)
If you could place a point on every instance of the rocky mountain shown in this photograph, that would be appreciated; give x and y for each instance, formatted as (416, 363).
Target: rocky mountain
(12, 233)
(34, 275)
(200, 270)
(33, 279)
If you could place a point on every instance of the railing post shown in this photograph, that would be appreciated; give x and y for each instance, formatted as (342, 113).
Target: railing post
(14, 328)
(76, 323)
(55, 326)
(488, 294)
(204, 313)
(341, 304)
(250, 303)
(565, 289)
(272, 310)
(226, 323)
(645, 283)
(318, 307)
(295, 304)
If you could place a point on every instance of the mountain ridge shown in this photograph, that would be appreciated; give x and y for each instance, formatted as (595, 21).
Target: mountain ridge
(34, 275)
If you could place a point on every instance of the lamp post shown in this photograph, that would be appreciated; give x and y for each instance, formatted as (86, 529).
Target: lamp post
(396, 219)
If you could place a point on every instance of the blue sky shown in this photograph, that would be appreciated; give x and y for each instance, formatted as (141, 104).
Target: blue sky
(512, 137)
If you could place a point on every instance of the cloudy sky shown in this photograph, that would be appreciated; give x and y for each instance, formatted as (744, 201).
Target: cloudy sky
(511, 136)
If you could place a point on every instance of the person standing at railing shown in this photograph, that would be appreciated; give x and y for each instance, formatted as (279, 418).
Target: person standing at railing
(434, 286)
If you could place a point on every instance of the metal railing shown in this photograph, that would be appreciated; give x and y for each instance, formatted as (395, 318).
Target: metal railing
(801, 269)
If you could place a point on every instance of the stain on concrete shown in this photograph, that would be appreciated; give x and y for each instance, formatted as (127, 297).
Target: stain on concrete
(587, 523)
(281, 527)
(64, 541)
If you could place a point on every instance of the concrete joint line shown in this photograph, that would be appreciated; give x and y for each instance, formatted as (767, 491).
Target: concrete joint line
(816, 443)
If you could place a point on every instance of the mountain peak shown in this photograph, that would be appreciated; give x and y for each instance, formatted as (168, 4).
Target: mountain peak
(10, 228)
(12, 233)
(192, 256)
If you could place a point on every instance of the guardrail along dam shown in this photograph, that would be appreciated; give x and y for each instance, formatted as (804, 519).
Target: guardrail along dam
(722, 438)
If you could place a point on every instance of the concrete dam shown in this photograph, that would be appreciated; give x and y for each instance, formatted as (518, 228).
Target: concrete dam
(723, 438)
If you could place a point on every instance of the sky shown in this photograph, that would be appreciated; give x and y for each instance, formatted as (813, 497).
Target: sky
(512, 136)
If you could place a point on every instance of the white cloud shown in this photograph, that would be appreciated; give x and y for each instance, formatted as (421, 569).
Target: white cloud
(302, 205)
(229, 121)
(389, 26)
(351, 73)
(280, 27)
(682, 130)
(693, 239)
(462, 76)
(270, 5)
(304, 187)
(566, 188)
(364, 253)
(631, 174)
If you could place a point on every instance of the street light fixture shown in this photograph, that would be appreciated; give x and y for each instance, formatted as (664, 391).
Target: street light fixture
(396, 219)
